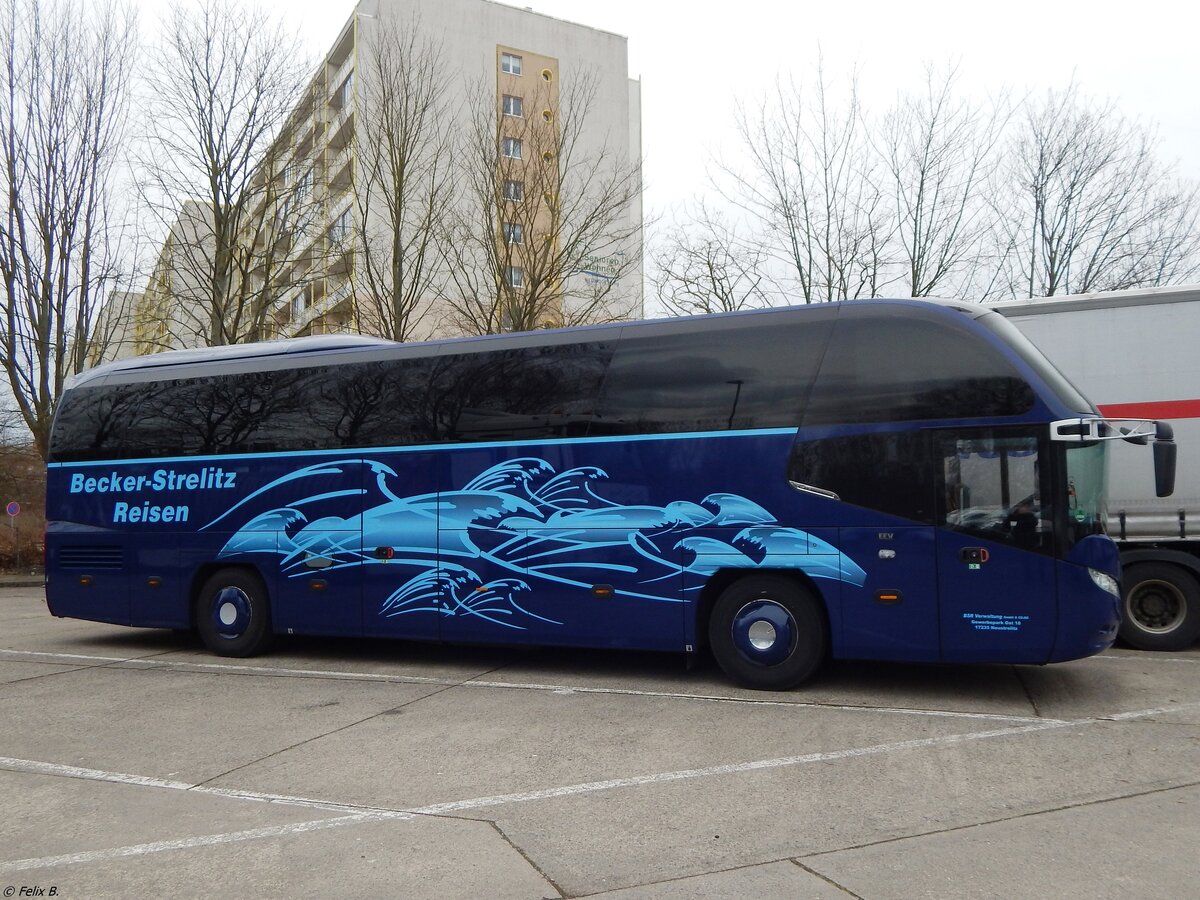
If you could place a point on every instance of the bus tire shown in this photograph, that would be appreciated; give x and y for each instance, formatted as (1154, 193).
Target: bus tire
(233, 613)
(1160, 606)
(767, 632)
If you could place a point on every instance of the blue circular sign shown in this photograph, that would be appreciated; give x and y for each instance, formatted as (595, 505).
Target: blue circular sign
(14, 509)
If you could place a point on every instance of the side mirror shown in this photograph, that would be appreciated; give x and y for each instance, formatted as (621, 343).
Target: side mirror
(1164, 459)
(1129, 436)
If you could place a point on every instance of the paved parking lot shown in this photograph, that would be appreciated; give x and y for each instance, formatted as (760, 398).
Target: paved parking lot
(134, 763)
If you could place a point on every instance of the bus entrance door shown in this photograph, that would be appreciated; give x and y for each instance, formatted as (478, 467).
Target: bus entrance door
(998, 602)
(995, 567)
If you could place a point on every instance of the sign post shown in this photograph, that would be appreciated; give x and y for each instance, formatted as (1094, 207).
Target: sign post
(14, 509)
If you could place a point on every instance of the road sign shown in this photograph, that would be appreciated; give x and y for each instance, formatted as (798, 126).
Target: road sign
(14, 509)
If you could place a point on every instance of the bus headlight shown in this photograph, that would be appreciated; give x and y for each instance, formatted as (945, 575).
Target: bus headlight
(1106, 582)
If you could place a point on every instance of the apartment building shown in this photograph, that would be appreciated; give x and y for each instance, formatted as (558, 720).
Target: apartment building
(526, 63)
(171, 312)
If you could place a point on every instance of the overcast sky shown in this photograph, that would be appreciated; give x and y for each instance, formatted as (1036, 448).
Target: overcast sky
(695, 59)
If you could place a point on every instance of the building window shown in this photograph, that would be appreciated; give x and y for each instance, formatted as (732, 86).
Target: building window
(514, 106)
(510, 64)
(511, 147)
(304, 185)
(514, 233)
(514, 190)
(515, 277)
(340, 229)
(346, 92)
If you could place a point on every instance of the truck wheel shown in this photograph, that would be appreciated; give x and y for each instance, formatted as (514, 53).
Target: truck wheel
(1161, 608)
(767, 632)
(233, 614)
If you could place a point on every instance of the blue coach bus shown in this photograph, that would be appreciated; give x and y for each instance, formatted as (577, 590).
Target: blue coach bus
(898, 480)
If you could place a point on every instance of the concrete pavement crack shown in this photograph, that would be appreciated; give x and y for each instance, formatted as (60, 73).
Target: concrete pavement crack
(841, 887)
(316, 737)
(1028, 693)
(525, 856)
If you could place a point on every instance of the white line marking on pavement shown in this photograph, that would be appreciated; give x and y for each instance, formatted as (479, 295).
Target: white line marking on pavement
(781, 762)
(207, 840)
(37, 767)
(728, 769)
(754, 701)
(366, 814)
(277, 671)
(1147, 713)
(65, 656)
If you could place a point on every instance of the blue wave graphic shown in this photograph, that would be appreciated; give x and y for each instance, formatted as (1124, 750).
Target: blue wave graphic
(542, 526)
(457, 591)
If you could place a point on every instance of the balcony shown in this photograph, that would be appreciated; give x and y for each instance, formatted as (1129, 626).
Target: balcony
(340, 174)
(339, 77)
(341, 128)
(334, 306)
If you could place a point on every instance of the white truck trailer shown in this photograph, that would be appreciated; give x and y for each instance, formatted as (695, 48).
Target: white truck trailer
(1136, 355)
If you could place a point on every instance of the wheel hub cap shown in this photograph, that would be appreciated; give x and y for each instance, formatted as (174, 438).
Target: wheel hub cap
(762, 635)
(764, 632)
(231, 612)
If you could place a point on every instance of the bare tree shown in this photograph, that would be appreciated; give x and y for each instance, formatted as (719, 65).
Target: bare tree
(704, 265)
(63, 109)
(1062, 195)
(940, 153)
(1172, 241)
(547, 233)
(402, 183)
(812, 181)
(239, 214)
(1092, 206)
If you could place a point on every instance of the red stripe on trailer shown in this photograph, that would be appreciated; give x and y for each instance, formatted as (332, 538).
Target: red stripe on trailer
(1154, 409)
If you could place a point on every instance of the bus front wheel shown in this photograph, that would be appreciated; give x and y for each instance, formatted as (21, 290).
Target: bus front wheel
(1160, 606)
(767, 632)
(233, 614)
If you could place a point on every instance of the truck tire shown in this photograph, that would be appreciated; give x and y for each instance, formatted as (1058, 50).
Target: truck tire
(233, 613)
(767, 632)
(1160, 608)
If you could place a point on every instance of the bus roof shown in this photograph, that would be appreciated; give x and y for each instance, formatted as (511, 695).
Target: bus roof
(215, 355)
(288, 353)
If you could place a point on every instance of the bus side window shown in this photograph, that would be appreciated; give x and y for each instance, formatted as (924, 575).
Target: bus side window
(94, 422)
(518, 394)
(736, 377)
(889, 473)
(884, 365)
(366, 404)
(992, 487)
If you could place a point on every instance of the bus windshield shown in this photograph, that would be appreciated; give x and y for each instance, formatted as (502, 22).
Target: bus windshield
(1087, 485)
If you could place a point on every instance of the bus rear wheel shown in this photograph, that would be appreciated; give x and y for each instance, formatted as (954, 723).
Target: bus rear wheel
(767, 632)
(1160, 609)
(233, 614)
